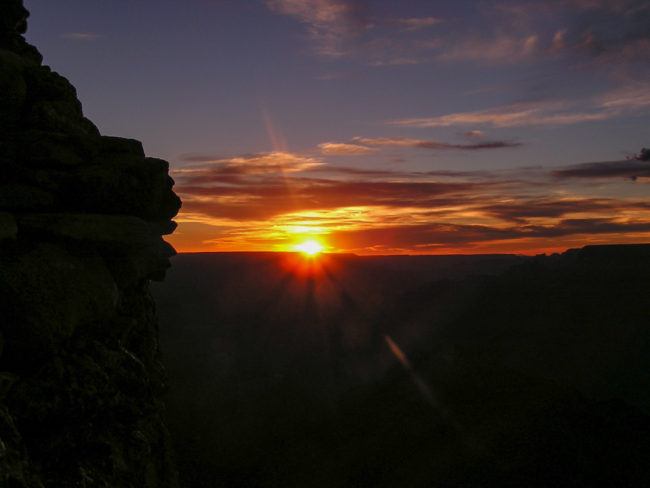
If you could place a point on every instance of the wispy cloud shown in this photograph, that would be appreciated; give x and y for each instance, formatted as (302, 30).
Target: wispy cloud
(330, 22)
(625, 100)
(506, 32)
(501, 49)
(630, 97)
(512, 31)
(343, 149)
(502, 118)
(629, 168)
(251, 164)
(348, 27)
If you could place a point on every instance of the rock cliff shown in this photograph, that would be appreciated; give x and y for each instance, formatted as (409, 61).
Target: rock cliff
(81, 222)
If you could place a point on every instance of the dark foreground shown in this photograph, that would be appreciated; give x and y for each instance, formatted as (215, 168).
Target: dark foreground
(409, 371)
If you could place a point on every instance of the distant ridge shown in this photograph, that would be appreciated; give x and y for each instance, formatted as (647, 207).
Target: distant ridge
(413, 371)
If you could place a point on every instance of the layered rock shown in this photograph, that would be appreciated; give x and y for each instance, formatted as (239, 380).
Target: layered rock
(81, 222)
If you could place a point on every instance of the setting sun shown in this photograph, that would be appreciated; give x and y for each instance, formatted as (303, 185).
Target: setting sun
(310, 248)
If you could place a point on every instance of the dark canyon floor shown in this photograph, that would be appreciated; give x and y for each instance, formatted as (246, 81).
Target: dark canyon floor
(414, 371)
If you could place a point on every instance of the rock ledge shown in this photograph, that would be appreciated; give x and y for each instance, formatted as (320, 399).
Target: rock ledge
(81, 222)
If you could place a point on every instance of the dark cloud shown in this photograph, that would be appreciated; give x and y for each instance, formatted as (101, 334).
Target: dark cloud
(441, 235)
(524, 209)
(644, 155)
(468, 147)
(585, 226)
(431, 144)
(358, 172)
(629, 168)
(413, 236)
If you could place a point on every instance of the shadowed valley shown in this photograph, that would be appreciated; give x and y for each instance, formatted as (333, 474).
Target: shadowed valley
(408, 371)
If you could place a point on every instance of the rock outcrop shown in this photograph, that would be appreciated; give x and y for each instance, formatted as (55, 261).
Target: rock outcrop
(81, 222)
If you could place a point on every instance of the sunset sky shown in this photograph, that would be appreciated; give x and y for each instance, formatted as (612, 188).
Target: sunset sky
(375, 127)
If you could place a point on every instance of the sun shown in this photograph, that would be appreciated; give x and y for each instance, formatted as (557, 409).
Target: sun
(310, 247)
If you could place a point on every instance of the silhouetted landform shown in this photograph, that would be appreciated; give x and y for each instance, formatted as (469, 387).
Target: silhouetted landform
(423, 371)
(81, 219)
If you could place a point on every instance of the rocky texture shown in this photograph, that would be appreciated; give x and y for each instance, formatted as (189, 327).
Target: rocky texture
(81, 220)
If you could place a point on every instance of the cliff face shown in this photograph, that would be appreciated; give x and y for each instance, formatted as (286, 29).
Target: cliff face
(81, 220)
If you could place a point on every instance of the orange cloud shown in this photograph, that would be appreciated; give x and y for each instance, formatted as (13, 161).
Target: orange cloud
(343, 149)
(262, 163)
(264, 206)
(515, 115)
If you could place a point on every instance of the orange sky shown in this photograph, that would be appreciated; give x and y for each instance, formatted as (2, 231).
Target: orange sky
(273, 201)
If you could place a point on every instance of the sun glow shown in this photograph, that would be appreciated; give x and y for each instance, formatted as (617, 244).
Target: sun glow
(310, 247)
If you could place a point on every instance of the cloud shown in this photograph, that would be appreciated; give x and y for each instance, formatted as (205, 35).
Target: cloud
(514, 115)
(366, 145)
(330, 22)
(626, 7)
(436, 236)
(354, 28)
(615, 32)
(474, 135)
(644, 154)
(315, 12)
(629, 99)
(589, 33)
(629, 168)
(254, 199)
(358, 172)
(81, 36)
(502, 49)
(343, 149)
(261, 199)
(431, 144)
(524, 210)
(252, 164)
(612, 35)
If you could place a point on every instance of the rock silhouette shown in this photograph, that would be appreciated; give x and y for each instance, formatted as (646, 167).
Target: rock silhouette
(81, 222)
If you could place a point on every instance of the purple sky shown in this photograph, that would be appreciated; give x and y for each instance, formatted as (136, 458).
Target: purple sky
(272, 111)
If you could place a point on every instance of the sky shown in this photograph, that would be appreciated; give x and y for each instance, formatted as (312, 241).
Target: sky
(375, 127)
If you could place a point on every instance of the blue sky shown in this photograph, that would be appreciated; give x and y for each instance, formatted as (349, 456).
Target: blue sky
(272, 111)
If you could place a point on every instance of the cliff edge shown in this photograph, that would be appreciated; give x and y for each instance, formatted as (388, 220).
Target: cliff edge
(81, 222)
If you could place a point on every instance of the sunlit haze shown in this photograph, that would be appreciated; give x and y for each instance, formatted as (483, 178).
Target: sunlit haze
(376, 127)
